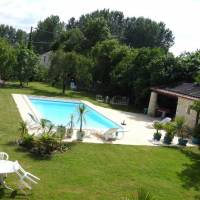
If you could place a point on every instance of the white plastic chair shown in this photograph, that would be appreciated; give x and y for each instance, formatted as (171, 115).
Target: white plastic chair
(24, 175)
(4, 156)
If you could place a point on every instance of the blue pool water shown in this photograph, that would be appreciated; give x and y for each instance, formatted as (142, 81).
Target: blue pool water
(58, 112)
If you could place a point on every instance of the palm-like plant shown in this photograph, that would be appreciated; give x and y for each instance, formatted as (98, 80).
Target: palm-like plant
(23, 129)
(46, 125)
(180, 127)
(158, 126)
(70, 126)
(82, 112)
(196, 107)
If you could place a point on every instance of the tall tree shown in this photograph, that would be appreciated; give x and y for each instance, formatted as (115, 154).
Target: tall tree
(12, 35)
(67, 65)
(142, 32)
(26, 63)
(7, 59)
(106, 55)
(70, 40)
(190, 65)
(95, 30)
(46, 33)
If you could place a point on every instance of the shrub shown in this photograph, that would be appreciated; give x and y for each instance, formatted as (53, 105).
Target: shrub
(28, 141)
(45, 144)
(196, 132)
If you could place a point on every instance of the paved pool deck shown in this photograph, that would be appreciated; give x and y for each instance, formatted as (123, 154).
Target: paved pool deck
(138, 129)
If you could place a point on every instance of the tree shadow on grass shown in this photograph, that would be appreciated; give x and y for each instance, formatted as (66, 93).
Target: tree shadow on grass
(7, 194)
(190, 175)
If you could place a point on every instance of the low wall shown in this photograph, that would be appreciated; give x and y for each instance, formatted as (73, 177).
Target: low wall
(183, 110)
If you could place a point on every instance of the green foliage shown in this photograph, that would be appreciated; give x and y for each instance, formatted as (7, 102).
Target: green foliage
(181, 129)
(70, 126)
(158, 126)
(26, 63)
(71, 40)
(12, 35)
(170, 132)
(81, 115)
(23, 129)
(28, 141)
(142, 194)
(196, 107)
(69, 65)
(142, 32)
(196, 132)
(190, 65)
(41, 73)
(47, 32)
(7, 59)
(47, 143)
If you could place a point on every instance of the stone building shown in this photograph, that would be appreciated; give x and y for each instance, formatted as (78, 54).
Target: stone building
(175, 101)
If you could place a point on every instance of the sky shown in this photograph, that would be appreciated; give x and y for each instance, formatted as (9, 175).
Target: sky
(181, 16)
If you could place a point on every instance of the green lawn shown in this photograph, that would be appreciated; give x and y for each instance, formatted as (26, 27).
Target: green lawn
(98, 171)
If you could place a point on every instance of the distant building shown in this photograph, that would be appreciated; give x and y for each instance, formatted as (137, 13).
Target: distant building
(175, 101)
(45, 59)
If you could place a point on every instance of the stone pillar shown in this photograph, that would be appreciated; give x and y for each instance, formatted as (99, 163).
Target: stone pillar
(152, 104)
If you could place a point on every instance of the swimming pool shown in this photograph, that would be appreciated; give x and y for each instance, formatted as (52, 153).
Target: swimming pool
(58, 112)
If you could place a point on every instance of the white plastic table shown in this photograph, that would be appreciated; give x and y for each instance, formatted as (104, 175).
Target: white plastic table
(7, 167)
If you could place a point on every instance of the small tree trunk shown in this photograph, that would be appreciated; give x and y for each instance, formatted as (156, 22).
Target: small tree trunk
(64, 83)
(197, 119)
(21, 83)
(81, 124)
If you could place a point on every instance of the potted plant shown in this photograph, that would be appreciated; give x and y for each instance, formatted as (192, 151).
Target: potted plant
(181, 130)
(157, 135)
(81, 112)
(70, 126)
(170, 131)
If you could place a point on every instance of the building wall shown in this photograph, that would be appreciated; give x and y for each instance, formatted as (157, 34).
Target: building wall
(183, 109)
(45, 59)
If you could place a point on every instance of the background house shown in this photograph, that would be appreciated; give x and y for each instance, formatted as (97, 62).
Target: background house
(175, 101)
(45, 59)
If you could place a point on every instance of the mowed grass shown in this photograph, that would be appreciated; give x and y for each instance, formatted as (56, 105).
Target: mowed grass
(98, 171)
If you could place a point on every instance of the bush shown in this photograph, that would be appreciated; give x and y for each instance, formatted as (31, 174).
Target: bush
(28, 141)
(45, 145)
(196, 132)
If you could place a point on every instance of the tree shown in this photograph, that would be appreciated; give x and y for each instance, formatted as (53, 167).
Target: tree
(95, 30)
(114, 20)
(46, 33)
(82, 112)
(26, 63)
(12, 35)
(196, 107)
(70, 40)
(7, 59)
(107, 54)
(67, 65)
(142, 32)
(190, 65)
